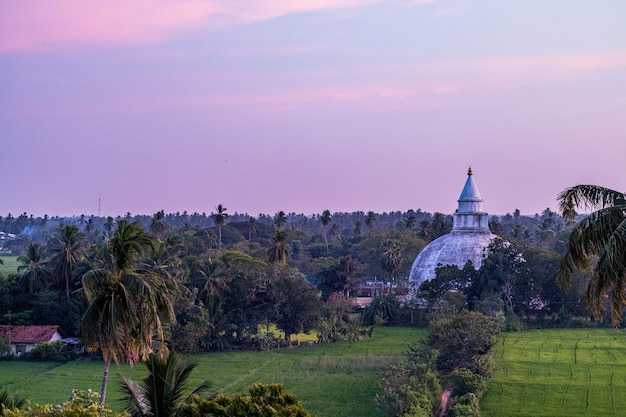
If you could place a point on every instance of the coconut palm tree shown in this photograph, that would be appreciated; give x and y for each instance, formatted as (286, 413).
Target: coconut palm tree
(158, 225)
(34, 269)
(162, 392)
(410, 222)
(601, 234)
(127, 304)
(358, 229)
(280, 220)
(108, 226)
(10, 401)
(390, 259)
(280, 251)
(219, 218)
(251, 227)
(326, 219)
(370, 219)
(68, 252)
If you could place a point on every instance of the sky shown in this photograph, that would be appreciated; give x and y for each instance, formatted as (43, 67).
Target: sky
(302, 106)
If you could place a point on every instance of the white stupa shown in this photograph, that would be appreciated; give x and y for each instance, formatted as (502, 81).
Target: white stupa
(467, 241)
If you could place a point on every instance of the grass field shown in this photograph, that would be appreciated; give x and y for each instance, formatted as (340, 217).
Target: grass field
(331, 380)
(550, 373)
(10, 265)
(577, 372)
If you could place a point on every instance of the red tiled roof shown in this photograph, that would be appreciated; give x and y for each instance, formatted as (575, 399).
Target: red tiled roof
(28, 334)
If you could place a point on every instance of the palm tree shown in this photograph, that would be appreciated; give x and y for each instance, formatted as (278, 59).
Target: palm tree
(370, 219)
(69, 251)
(108, 226)
(219, 218)
(410, 222)
(390, 259)
(601, 234)
(357, 228)
(334, 232)
(126, 304)
(544, 232)
(10, 401)
(326, 219)
(280, 220)
(158, 225)
(280, 251)
(161, 393)
(251, 227)
(34, 272)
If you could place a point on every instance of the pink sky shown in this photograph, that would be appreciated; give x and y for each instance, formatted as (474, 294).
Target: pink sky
(305, 106)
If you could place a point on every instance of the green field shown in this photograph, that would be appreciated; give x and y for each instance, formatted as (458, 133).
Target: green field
(331, 380)
(10, 265)
(551, 373)
(579, 372)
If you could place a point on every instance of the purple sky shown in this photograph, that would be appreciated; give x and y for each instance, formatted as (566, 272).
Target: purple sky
(306, 105)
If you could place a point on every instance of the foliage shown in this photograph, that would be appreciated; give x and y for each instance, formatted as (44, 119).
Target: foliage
(465, 406)
(127, 304)
(50, 352)
(10, 401)
(161, 393)
(600, 236)
(264, 401)
(342, 276)
(411, 387)
(338, 322)
(81, 404)
(5, 346)
(464, 340)
(295, 303)
(382, 307)
(463, 381)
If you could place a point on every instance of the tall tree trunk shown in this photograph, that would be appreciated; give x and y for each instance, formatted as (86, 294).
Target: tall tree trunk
(288, 338)
(105, 379)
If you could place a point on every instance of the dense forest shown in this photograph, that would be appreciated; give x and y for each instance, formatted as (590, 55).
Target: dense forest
(230, 273)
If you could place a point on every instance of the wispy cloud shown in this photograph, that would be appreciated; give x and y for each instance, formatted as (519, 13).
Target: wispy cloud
(32, 25)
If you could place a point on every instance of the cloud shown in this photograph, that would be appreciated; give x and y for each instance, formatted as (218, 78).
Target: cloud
(34, 25)
(30, 25)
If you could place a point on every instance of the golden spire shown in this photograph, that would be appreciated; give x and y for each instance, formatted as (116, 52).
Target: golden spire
(469, 171)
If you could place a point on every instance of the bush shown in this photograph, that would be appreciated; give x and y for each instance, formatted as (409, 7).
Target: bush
(463, 381)
(464, 340)
(264, 401)
(465, 406)
(50, 352)
(410, 388)
(81, 404)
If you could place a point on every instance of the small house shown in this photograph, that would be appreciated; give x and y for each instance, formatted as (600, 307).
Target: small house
(24, 338)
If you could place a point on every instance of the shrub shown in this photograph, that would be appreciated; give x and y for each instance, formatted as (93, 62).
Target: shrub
(463, 381)
(264, 401)
(465, 406)
(50, 352)
(81, 404)
(410, 388)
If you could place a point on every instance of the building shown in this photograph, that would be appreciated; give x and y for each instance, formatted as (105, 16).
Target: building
(24, 338)
(468, 240)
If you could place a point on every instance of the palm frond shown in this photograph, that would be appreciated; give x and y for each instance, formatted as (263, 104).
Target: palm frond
(589, 238)
(587, 197)
(133, 398)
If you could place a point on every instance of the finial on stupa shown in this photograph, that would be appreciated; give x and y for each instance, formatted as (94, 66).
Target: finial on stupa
(469, 171)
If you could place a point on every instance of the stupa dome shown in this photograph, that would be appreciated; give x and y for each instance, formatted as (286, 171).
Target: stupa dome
(467, 241)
